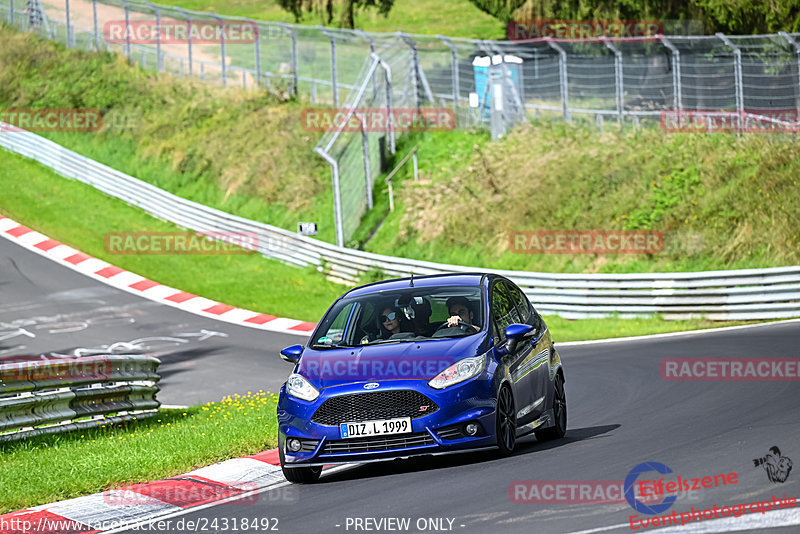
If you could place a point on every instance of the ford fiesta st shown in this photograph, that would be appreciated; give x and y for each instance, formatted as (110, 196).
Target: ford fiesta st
(420, 366)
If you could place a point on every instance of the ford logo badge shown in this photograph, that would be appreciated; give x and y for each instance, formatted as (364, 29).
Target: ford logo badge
(371, 385)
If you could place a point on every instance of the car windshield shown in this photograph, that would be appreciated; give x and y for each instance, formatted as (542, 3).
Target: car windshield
(410, 314)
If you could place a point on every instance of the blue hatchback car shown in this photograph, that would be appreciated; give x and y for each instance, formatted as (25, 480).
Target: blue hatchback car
(420, 366)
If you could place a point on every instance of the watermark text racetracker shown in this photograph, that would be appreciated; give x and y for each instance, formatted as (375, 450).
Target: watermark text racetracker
(581, 491)
(378, 119)
(198, 32)
(718, 121)
(50, 120)
(582, 29)
(586, 242)
(730, 369)
(181, 243)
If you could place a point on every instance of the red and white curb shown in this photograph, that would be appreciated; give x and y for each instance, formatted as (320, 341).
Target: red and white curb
(240, 480)
(139, 285)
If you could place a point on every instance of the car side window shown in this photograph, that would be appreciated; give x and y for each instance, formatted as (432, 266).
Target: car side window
(504, 310)
(523, 306)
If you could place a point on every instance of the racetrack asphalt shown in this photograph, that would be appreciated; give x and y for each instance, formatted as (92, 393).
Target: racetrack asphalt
(46, 308)
(621, 413)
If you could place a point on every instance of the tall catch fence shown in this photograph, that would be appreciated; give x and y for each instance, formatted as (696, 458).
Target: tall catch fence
(492, 83)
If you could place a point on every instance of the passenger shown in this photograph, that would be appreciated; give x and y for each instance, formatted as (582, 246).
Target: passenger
(393, 322)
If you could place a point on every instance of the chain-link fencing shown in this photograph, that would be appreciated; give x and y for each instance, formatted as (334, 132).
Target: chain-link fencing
(491, 83)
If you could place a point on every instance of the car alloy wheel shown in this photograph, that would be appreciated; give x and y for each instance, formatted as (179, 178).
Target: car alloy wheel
(506, 421)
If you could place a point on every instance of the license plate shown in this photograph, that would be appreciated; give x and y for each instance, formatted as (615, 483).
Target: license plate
(380, 427)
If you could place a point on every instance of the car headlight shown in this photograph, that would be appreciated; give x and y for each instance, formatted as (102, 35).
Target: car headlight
(458, 372)
(299, 387)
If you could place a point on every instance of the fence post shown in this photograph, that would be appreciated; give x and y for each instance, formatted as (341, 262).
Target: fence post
(96, 29)
(371, 42)
(334, 77)
(676, 73)
(414, 66)
(127, 29)
(797, 51)
(10, 16)
(617, 78)
(188, 35)
(456, 82)
(257, 50)
(562, 77)
(365, 149)
(159, 56)
(222, 50)
(69, 25)
(389, 105)
(337, 196)
(293, 34)
(737, 70)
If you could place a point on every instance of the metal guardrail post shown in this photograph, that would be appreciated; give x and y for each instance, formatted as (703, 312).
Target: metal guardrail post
(796, 47)
(334, 74)
(455, 77)
(295, 74)
(365, 152)
(737, 70)
(337, 196)
(222, 50)
(617, 78)
(389, 103)
(188, 36)
(562, 77)
(676, 73)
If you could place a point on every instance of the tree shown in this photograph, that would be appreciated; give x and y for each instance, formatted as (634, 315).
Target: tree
(325, 8)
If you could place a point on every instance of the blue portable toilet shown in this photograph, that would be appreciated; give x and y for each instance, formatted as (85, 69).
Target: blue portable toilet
(486, 66)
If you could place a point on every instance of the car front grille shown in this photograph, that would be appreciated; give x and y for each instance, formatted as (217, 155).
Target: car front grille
(374, 405)
(378, 443)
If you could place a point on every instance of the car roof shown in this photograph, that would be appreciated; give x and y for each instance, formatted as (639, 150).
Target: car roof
(434, 280)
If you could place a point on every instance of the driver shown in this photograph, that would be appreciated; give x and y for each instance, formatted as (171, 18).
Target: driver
(458, 308)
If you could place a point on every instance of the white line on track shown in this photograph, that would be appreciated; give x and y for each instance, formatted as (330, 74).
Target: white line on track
(177, 513)
(674, 334)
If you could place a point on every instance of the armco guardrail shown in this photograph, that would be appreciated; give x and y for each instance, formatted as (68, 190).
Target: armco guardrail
(43, 395)
(716, 295)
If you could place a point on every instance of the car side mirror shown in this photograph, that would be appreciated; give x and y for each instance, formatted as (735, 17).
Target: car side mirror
(514, 333)
(292, 354)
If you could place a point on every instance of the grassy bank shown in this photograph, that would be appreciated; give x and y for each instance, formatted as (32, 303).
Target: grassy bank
(454, 18)
(55, 206)
(50, 468)
(720, 201)
(244, 152)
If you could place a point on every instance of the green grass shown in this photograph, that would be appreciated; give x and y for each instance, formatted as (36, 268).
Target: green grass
(722, 201)
(244, 152)
(454, 18)
(79, 215)
(44, 469)
(54, 206)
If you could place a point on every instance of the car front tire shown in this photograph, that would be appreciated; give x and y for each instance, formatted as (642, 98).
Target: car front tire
(298, 475)
(559, 428)
(506, 421)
